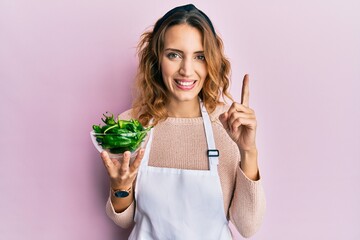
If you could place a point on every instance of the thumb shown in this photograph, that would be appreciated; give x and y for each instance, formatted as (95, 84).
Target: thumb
(223, 119)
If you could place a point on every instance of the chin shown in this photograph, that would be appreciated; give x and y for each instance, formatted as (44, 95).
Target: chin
(186, 97)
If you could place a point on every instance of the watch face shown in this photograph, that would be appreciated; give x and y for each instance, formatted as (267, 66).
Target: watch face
(121, 194)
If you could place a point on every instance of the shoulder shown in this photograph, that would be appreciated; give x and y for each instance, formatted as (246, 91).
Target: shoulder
(127, 114)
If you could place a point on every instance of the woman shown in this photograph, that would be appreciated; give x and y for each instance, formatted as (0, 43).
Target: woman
(189, 181)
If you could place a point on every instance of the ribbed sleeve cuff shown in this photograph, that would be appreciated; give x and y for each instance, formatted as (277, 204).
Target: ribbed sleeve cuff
(123, 219)
(244, 178)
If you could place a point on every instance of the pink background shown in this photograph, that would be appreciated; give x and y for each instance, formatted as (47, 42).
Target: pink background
(64, 63)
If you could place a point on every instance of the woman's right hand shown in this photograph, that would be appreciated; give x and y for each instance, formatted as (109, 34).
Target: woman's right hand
(122, 174)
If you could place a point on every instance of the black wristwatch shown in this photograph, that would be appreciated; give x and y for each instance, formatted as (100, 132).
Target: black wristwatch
(119, 193)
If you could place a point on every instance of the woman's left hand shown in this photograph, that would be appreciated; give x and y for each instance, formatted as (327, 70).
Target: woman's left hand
(240, 121)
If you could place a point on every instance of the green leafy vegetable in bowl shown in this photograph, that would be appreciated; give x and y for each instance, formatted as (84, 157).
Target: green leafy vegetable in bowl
(118, 136)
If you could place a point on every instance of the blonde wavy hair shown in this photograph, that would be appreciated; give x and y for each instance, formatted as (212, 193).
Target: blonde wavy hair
(151, 93)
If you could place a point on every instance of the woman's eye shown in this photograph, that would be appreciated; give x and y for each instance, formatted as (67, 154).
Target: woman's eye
(173, 55)
(201, 57)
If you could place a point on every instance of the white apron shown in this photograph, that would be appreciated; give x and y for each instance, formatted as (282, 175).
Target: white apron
(180, 204)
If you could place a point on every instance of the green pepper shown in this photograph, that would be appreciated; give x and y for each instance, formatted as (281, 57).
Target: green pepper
(109, 120)
(109, 128)
(97, 129)
(120, 131)
(117, 141)
(125, 124)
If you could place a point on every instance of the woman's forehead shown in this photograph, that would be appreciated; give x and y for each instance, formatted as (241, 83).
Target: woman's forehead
(184, 38)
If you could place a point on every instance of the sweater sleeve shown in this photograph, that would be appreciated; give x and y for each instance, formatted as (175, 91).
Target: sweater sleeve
(248, 204)
(124, 219)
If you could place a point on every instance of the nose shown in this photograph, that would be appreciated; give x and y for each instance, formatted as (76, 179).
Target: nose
(187, 67)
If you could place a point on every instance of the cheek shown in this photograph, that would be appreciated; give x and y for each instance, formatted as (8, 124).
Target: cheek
(203, 75)
(166, 70)
(167, 73)
(203, 72)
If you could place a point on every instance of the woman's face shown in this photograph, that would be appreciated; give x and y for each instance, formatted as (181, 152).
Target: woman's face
(183, 63)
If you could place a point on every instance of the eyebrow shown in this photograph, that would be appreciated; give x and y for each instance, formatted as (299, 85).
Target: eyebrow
(177, 50)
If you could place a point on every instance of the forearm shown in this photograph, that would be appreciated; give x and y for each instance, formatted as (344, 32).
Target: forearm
(248, 205)
(249, 163)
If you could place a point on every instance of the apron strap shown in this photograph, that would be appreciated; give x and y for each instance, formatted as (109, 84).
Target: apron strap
(145, 160)
(212, 152)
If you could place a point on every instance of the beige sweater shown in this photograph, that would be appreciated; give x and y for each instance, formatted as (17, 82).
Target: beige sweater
(181, 143)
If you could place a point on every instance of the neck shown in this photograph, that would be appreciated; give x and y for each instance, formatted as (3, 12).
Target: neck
(184, 109)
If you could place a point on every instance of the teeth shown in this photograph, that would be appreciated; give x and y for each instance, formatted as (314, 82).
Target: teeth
(185, 83)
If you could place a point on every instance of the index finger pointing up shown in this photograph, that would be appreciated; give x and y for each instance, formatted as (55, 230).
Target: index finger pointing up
(245, 91)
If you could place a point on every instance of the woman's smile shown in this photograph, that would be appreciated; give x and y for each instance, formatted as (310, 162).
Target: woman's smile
(184, 84)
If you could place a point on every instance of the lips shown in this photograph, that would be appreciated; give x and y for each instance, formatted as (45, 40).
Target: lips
(185, 84)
